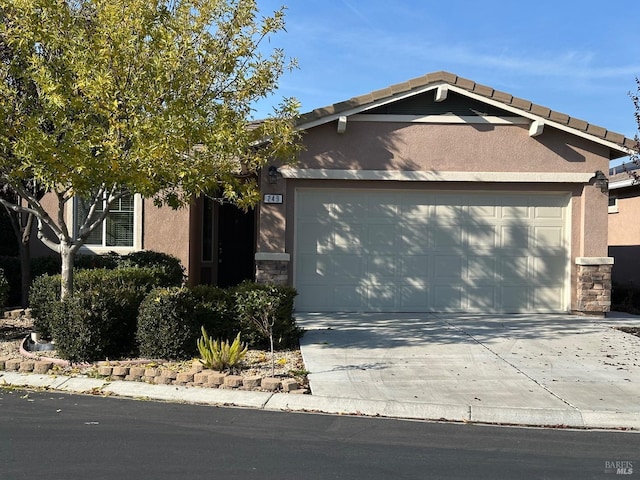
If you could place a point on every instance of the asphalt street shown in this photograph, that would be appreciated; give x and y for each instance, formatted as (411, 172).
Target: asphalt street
(59, 436)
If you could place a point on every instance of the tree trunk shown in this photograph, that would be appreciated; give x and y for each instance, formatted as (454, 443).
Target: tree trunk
(68, 256)
(25, 272)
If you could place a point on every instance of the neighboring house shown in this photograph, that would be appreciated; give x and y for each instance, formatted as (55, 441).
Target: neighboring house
(624, 224)
(438, 194)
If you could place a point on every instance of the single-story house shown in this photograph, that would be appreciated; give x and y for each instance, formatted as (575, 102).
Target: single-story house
(624, 224)
(437, 194)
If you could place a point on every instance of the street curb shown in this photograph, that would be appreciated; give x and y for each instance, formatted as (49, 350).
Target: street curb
(559, 418)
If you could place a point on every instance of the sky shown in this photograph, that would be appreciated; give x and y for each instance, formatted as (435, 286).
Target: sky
(579, 57)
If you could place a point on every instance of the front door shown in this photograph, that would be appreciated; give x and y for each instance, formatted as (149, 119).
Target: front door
(236, 240)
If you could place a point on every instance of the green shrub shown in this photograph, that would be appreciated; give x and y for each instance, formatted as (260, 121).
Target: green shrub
(170, 265)
(11, 268)
(81, 325)
(4, 290)
(215, 311)
(44, 296)
(125, 288)
(168, 324)
(218, 354)
(285, 331)
(47, 265)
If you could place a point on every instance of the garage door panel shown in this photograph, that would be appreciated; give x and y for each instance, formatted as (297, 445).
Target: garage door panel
(447, 298)
(549, 270)
(547, 299)
(481, 236)
(548, 237)
(414, 266)
(372, 250)
(515, 298)
(481, 298)
(514, 236)
(447, 236)
(347, 297)
(348, 267)
(514, 268)
(415, 239)
(414, 298)
(381, 267)
(481, 268)
(447, 266)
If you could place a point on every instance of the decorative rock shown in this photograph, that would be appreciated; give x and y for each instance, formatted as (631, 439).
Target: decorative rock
(184, 377)
(120, 371)
(133, 378)
(105, 370)
(42, 367)
(136, 371)
(252, 381)
(12, 364)
(289, 384)
(150, 372)
(162, 380)
(170, 374)
(271, 383)
(201, 378)
(196, 367)
(233, 381)
(217, 378)
(27, 366)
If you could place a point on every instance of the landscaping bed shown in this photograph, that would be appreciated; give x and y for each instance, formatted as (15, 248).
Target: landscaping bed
(253, 373)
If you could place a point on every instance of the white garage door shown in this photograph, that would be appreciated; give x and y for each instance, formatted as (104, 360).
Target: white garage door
(373, 250)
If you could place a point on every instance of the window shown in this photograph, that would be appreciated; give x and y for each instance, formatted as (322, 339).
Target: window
(118, 229)
(613, 204)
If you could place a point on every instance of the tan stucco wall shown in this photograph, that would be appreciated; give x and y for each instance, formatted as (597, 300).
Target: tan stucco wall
(624, 226)
(476, 148)
(167, 230)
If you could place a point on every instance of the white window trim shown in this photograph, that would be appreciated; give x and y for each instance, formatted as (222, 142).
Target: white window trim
(99, 250)
(613, 208)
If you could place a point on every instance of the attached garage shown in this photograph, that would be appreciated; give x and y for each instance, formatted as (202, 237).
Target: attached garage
(440, 194)
(435, 251)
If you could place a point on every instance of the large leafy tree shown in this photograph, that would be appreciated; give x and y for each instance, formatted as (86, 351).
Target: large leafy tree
(105, 98)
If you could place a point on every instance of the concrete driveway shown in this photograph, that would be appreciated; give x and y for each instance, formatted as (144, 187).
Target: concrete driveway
(489, 364)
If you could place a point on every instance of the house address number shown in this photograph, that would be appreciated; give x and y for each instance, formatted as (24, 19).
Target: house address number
(272, 198)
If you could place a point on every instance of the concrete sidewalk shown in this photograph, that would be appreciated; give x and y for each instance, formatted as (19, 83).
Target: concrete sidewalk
(546, 370)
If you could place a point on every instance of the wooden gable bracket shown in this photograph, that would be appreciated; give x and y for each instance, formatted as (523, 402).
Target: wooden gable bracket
(441, 93)
(342, 124)
(536, 128)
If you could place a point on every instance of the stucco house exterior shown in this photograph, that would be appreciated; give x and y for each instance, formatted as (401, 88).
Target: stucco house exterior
(437, 194)
(440, 194)
(624, 224)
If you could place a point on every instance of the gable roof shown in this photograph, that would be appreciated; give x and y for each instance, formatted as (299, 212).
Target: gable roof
(619, 145)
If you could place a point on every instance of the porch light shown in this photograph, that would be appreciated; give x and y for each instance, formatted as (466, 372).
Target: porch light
(600, 180)
(273, 175)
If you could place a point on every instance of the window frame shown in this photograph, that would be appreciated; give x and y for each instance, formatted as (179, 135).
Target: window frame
(613, 208)
(102, 249)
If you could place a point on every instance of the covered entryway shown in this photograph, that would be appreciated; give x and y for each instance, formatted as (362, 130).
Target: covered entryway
(410, 251)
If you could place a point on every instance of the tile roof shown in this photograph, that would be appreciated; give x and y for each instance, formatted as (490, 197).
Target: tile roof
(437, 78)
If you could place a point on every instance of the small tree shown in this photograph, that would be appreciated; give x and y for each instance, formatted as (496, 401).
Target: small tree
(259, 306)
(100, 99)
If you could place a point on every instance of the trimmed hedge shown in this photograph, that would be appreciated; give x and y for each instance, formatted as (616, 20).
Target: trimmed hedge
(168, 324)
(123, 287)
(82, 324)
(170, 265)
